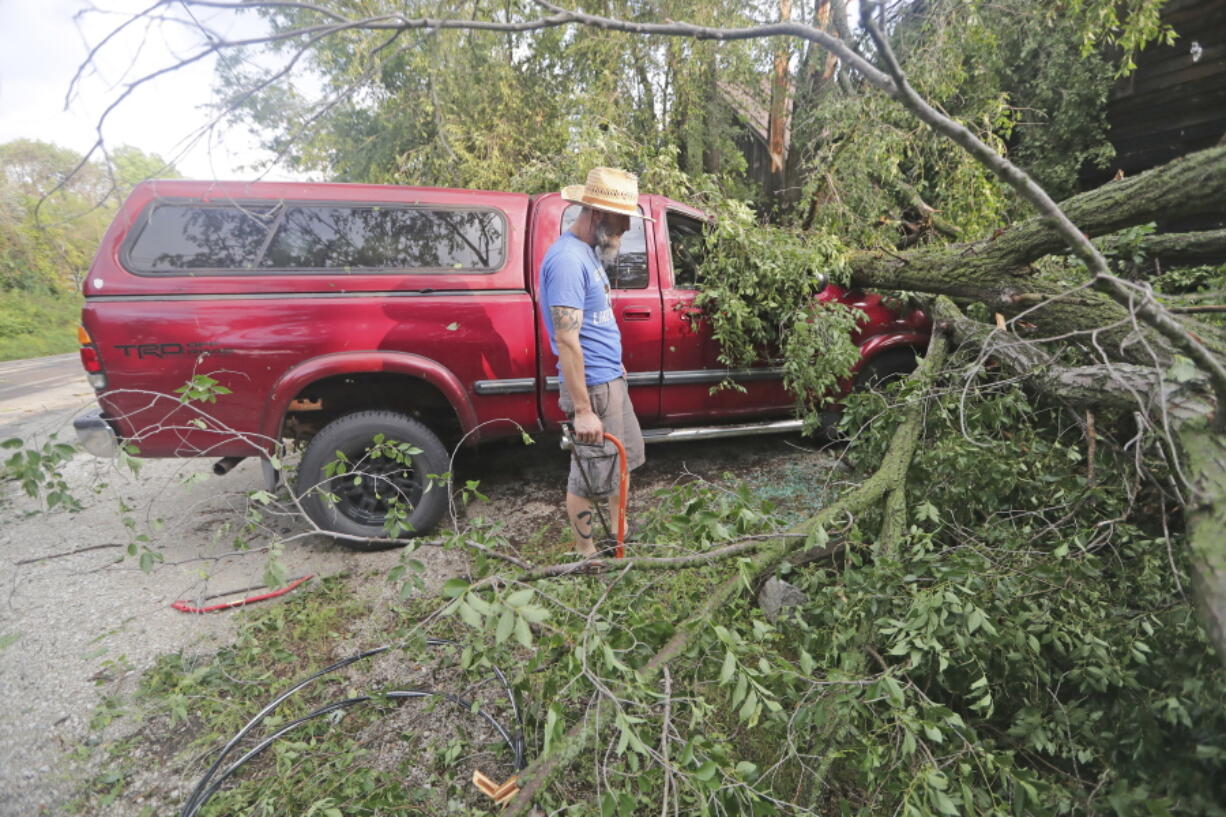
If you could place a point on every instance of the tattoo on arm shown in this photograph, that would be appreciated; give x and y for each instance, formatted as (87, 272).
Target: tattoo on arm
(584, 517)
(566, 318)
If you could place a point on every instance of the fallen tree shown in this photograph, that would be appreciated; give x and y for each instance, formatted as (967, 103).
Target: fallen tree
(999, 270)
(939, 623)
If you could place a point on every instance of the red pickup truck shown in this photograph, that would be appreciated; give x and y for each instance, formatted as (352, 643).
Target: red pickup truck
(334, 312)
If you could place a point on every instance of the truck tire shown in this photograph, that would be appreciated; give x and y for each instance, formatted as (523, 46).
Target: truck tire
(364, 487)
(882, 370)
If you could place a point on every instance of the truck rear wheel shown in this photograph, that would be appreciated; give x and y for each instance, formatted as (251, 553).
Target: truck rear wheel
(361, 467)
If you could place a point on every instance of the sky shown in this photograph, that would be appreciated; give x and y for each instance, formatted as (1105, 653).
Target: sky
(41, 47)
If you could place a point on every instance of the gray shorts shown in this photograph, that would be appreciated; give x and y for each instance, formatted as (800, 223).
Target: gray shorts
(611, 402)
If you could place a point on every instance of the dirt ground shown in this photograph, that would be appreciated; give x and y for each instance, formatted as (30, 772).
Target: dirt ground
(79, 620)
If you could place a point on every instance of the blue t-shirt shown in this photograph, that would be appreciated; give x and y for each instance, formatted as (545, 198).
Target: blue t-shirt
(571, 275)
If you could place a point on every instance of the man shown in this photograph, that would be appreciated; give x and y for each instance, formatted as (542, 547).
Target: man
(584, 335)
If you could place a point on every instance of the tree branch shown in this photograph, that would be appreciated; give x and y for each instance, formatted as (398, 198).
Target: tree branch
(1120, 386)
(893, 469)
(1138, 300)
(1207, 247)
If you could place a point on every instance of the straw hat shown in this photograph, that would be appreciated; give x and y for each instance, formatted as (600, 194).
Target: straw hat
(608, 189)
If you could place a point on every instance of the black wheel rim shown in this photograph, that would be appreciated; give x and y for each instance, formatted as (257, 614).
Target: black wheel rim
(365, 492)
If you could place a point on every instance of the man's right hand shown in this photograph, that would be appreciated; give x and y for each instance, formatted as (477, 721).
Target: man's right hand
(588, 428)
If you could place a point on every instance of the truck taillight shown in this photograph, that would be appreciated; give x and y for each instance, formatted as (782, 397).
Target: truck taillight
(90, 360)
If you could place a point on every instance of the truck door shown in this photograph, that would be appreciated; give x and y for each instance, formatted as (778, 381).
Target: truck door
(690, 354)
(635, 295)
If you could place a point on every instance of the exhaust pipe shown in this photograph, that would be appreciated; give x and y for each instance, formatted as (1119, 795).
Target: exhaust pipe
(224, 465)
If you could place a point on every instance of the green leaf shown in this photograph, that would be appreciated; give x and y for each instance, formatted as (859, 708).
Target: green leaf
(1182, 370)
(480, 605)
(817, 537)
(520, 597)
(893, 691)
(742, 684)
(750, 706)
(454, 588)
(552, 730)
(8, 640)
(471, 617)
(506, 624)
(533, 613)
(523, 633)
(726, 672)
(984, 704)
(943, 803)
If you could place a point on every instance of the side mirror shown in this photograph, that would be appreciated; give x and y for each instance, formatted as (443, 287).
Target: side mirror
(822, 280)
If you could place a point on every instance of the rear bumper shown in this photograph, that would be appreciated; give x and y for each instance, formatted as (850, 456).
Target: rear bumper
(96, 435)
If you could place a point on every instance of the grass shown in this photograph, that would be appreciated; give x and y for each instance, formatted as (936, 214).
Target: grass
(412, 758)
(37, 325)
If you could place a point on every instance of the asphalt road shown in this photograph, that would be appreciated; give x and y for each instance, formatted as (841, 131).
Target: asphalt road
(20, 378)
(40, 395)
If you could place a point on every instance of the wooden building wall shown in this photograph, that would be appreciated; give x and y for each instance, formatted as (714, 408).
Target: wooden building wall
(1175, 102)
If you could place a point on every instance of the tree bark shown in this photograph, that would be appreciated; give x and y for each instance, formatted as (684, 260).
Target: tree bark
(1117, 386)
(1179, 249)
(1205, 515)
(997, 271)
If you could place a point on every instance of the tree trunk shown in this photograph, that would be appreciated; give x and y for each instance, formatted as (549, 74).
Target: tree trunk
(779, 124)
(996, 270)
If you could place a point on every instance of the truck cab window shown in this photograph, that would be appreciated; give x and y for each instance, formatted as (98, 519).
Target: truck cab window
(230, 238)
(174, 237)
(630, 269)
(686, 241)
(374, 237)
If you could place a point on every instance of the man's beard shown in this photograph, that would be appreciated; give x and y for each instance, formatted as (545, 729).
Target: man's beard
(607, 246)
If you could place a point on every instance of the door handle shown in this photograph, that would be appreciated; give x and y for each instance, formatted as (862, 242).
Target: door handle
(636, 314)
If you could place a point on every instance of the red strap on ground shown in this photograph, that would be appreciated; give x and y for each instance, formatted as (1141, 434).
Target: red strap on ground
(184, 607)
(623, 486)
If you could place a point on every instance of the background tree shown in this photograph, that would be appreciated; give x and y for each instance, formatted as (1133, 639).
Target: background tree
(54, 210)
